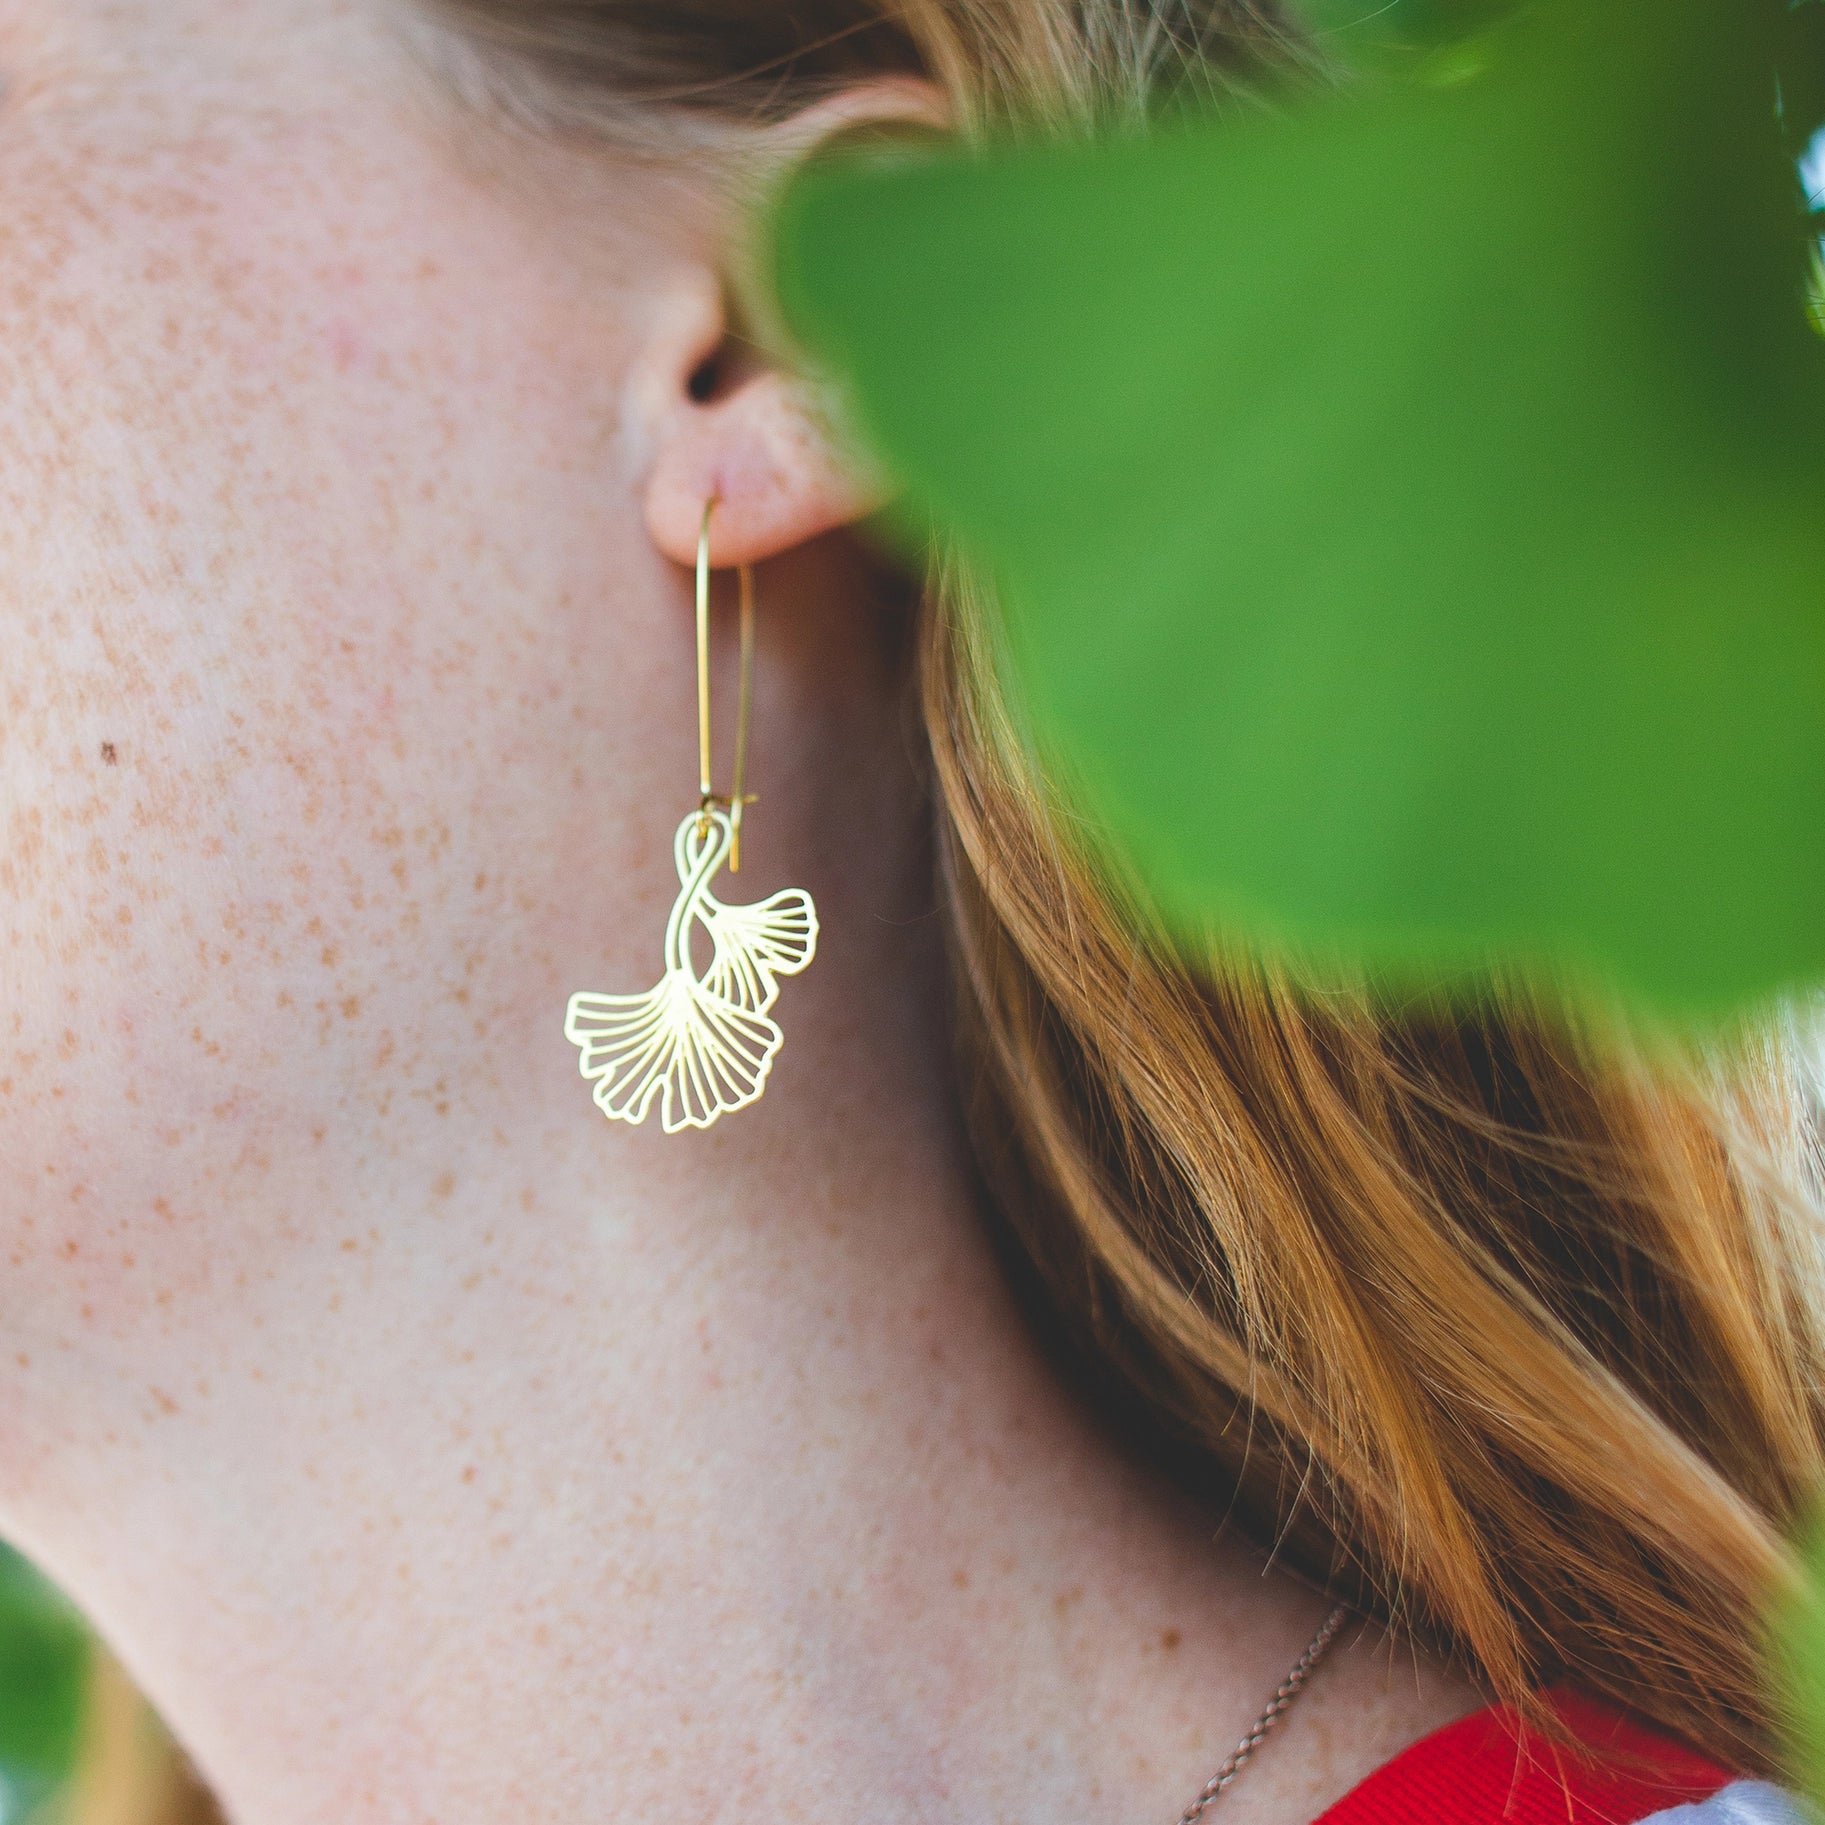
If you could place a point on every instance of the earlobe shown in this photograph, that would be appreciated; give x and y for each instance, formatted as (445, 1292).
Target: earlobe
(770, 459)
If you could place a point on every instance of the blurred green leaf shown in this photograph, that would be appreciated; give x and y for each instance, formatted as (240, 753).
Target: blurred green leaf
(44, 1660)
(1410, 504)
(1799, 1658)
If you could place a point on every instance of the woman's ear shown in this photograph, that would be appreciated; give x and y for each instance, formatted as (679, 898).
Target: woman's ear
(725, 422)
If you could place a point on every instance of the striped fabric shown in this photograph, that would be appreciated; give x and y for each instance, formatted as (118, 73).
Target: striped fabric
(1741, 1803)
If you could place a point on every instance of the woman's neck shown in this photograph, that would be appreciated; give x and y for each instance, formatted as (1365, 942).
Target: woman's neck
(520, 1504)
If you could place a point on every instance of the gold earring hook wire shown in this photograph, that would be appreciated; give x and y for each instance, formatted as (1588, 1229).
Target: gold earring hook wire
(707, 794)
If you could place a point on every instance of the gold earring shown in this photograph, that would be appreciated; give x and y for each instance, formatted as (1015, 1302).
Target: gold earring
(701, 1046)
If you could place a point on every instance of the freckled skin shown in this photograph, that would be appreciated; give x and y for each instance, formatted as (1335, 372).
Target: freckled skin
(430, 1448)
(300, 627)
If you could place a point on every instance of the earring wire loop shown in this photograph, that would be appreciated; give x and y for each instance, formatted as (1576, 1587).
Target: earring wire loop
(739, 795)
(703, 652)
(707, 793)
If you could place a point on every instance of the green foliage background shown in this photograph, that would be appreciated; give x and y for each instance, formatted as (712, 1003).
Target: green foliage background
(44, 1659)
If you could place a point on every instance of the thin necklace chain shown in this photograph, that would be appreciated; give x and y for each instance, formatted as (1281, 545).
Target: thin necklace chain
(1277, 1707)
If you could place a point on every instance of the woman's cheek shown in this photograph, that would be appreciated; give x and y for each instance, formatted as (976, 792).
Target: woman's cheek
(247, 729)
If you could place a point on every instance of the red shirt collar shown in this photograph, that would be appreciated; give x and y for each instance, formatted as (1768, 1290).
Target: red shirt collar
(1488, 1769)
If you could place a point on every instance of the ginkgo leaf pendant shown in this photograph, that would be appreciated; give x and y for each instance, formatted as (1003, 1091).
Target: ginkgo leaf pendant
(698, 1046)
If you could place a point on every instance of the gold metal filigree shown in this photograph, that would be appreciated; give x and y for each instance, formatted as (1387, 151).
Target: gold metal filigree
(699, 1046)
